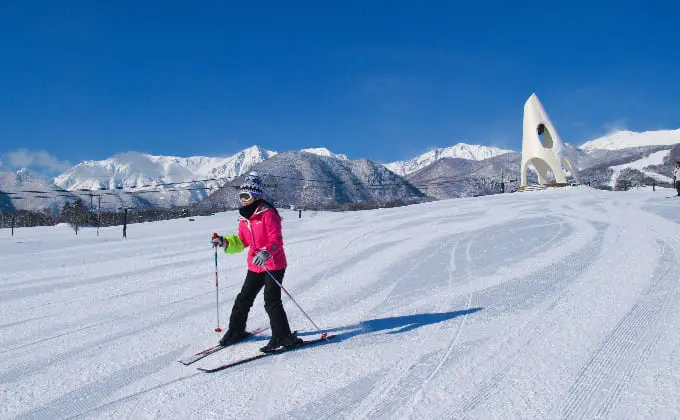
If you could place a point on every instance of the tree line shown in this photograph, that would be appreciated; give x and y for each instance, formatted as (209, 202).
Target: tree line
(77, 215)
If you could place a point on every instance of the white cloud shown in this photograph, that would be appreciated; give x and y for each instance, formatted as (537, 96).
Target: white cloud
(23, 158)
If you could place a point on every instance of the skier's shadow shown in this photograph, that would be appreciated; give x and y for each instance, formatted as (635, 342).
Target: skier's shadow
(392, 325)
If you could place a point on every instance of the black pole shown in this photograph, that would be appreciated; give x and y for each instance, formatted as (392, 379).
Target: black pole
(125, 224)
(99, 214)
(299, 213)
(12, 225)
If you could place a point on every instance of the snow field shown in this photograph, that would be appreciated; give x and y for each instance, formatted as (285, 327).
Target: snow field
(551, 304)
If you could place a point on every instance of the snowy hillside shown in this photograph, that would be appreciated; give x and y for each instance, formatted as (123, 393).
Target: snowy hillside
(626, 139)
(452, 177)
(16, 183)
(132, 169)
(642, 165)
(322, 151)
(460, 150)
(539, 305)
(313, 181)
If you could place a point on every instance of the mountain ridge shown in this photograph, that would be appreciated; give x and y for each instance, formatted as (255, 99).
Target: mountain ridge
(603, 162)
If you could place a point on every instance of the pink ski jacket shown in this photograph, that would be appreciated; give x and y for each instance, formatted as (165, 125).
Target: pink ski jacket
(262, 231)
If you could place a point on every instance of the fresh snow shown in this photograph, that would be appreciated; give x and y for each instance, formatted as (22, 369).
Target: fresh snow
(460, 150)
(132, 170)
(539, 305)
(322, 151)
(625, 139)
(653, 159)
(28, 180)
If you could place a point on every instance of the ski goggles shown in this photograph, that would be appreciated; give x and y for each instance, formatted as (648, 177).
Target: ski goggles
(245, 196)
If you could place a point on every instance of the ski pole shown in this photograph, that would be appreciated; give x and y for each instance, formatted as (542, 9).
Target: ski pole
(217, 289)
(323, 334)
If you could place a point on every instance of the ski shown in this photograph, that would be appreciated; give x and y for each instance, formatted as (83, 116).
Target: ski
(324, 338)
(207, 352)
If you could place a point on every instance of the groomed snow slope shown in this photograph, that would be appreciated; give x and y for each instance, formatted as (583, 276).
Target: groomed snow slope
(541, 305)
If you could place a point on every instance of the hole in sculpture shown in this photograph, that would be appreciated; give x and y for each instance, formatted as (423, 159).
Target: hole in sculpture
(544, 136)
(541, 170)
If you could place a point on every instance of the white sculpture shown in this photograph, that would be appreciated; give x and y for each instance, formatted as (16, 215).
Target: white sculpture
(542, 147)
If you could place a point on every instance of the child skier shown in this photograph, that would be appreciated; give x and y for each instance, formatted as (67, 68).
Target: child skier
(259, 229)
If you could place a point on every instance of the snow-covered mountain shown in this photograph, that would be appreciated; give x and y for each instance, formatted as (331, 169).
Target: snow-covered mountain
(312, 180)
(625, 139)
(131, 170)
(26, 189)
(609, 160)
(460, 150)
(322, 151)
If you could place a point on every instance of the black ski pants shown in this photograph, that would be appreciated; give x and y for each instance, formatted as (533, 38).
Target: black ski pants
(272, 303)
(677, 187)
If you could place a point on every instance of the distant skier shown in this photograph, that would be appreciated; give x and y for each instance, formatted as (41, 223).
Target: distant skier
(259, 229)
(676, 176)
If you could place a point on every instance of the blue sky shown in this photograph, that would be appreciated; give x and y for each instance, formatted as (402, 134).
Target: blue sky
(384, 80)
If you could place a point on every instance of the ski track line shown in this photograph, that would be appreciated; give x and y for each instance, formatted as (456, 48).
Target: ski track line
(145, 287)
(341, 266)
(392, 227)
(35, 291)
(88, 397)
(418, 395)
(404, 366)
(605, 365)
(452, 345)
(23, 369)
(486, 391)
(602, 379)
(498, 380)
(106, 262)
(337, 403)
(517, 337)
(108, 321)
(262, 404)
(477, 230)
(135, 285)
(628, 377)
(324, 413)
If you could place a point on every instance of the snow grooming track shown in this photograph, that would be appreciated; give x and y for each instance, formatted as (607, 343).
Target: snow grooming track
(560, 283)
(418, 395)
(619, 357)
(135, 316)
(495, 300)
(339, 263)
(375, 404)
(420, 373)
(417, 373)
(112, 404)
(263, 400)
(515, 365)
(367, 388)
(378, 386)
(530, 290)
(90, 396)
(338, 403)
